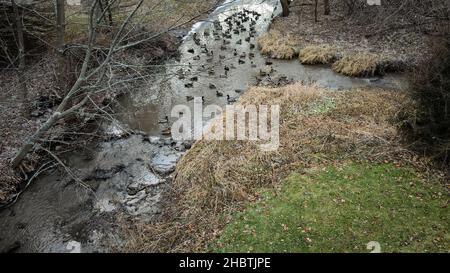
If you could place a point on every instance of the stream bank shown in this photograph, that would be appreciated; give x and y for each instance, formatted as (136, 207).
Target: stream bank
(127, 177)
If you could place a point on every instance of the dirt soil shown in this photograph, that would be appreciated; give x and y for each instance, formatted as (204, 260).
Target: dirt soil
(14, 127)
(347, 35)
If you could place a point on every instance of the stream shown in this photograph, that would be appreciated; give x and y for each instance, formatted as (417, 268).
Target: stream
(128, 176)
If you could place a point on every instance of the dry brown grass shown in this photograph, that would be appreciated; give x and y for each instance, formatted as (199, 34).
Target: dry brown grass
(278, 45)
(318, 128)
(323, 54)
(359, 65)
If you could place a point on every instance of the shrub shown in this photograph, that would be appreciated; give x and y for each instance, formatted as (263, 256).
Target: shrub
(429, 123)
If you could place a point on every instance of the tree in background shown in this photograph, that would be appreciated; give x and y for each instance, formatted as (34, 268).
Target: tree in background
(18, 31)
(326, 4)
(285, 6)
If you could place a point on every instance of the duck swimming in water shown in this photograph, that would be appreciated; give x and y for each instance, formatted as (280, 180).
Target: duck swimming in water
(230, 99)
(165, 120)
(166, 132)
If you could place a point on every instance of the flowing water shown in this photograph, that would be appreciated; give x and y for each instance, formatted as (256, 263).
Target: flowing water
(127, 176)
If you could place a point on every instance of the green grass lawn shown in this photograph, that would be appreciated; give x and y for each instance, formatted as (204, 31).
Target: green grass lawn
(341, 210)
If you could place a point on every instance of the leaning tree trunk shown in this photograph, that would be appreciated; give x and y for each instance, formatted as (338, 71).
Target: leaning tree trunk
(285, 6)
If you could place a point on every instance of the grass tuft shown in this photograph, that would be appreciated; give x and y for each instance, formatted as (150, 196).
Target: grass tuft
(277, 45)
(312, 55)
(359, 65)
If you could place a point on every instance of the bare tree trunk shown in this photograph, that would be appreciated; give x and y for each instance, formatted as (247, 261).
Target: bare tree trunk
(60, 43)
(285, 7)
(326, 4)
(21, 47)
(316, 4)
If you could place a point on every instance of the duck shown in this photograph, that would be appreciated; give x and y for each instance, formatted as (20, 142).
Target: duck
(252, 46)
(189, 98)
(219, 94)
(239, 42)
(241, 61)
(196, 58)
(166, 132)
(202, 68)
(189, 85)
(212, 86)
(191, 50)
(230, 99)
(238, 91)
(180, 73)
(165, 120)
(268, 62)
(194, 79)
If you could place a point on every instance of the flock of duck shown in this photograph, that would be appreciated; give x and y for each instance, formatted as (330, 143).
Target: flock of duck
(242, 23)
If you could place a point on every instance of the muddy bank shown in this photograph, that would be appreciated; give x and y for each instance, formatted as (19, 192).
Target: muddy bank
(128, 176)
